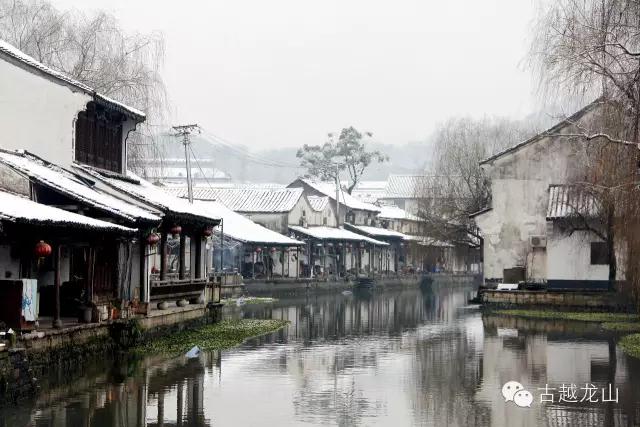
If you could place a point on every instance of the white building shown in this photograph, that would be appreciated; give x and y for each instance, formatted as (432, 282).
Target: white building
(522, 230)
(273, 208)
(352, 210)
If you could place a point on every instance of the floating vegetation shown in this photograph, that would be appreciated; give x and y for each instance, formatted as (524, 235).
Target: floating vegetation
(248, 300)
(631, 345)
(622, 326)
(581, 316)
(219, 336)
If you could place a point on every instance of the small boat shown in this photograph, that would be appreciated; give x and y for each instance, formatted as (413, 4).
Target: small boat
(347, 293)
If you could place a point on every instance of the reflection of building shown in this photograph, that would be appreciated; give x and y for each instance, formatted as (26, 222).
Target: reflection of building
(538, 353)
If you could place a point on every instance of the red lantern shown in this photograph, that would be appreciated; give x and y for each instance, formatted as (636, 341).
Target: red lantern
(207, 232)
(152, 239)
(42, 249)
(155, 270)
(176, 230)
(273, 250)
(258, 250)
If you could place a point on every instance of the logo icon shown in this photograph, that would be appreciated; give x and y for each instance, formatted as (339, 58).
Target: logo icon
(514, 391)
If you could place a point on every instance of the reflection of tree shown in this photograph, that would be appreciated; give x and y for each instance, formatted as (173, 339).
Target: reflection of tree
(446, 373)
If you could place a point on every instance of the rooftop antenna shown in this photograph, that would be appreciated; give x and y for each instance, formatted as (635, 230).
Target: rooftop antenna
(185, 132)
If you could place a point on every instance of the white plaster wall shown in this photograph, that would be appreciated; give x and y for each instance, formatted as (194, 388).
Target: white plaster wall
(519, 184)
(273, 221)
(38, 114)
(569, 257)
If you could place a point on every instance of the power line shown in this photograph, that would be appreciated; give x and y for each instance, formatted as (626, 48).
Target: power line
(246, 154)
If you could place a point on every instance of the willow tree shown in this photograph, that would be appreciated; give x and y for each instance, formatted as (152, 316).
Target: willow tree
(592, 48)
(455, 185)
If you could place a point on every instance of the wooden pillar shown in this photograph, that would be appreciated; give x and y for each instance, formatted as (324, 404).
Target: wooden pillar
(163, 255)
(254, 254)
(143, 268)
(57, 322)
(297, 262)
(182, 256)
(198, 264)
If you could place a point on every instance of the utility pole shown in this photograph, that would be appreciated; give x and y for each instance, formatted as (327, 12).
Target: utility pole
(185, 132)
(337, 195)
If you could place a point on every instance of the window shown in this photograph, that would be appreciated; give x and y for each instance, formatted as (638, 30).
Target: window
(99, 138)
(599, 253)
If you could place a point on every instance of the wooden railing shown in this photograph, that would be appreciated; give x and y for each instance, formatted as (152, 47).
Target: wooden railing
(177, 289)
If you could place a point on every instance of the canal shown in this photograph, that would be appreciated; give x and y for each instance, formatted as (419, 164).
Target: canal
(397, 357)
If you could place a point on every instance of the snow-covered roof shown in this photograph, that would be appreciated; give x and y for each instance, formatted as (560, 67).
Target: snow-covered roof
(148, 193)
(404, 186)
(554, 130)
(394, 212)
(180, 173)
(17, 54)
(369, 191)
(332, 233)
(20, 210)
(246, 199)
(240, 228)
(72, 186)
(428, 241)
(318, 203)
(570, 201)
(376, 231)
(329, 189)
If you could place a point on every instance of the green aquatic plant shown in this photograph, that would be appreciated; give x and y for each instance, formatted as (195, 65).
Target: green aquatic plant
(581, 316)
(630, 344)
(249, 300)
(219, 336)
(622, 326)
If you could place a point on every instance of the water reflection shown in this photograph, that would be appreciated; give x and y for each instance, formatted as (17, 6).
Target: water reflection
(395, 357)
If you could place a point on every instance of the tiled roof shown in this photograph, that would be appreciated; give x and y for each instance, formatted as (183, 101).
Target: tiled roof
(16, 54)
(329, 189)
(376, 232)
(242, 229)
(332, 233)
(369, 191)
(318, 203)
(21, 210)
(63, 181)
(246, 199)
(566, 201)
(405, 186)
(147, 193)
(394, 212)
(554, 130)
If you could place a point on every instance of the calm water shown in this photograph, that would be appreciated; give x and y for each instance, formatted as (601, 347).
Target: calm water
(392, 358)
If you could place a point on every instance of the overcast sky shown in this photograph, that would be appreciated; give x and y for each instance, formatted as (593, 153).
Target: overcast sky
(286, 72)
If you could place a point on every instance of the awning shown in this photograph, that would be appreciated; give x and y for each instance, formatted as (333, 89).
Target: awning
(241, 228)
(331, 233)
(19, 210)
